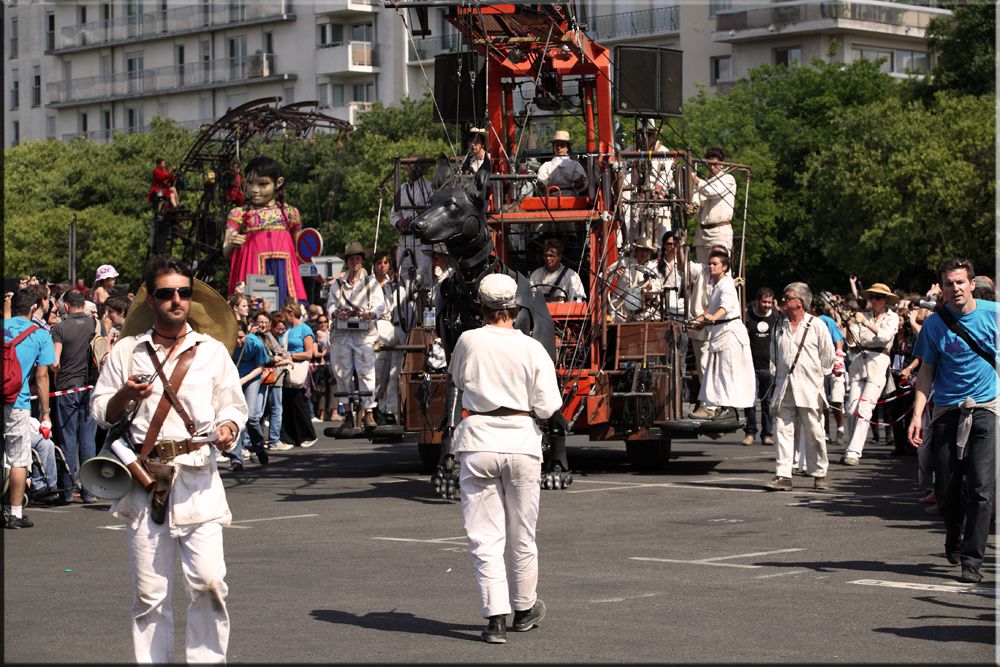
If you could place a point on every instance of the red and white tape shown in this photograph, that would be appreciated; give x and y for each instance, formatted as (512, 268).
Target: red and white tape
(75, 390)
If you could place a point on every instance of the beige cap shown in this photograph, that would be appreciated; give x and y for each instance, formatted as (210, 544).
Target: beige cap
(498, 291)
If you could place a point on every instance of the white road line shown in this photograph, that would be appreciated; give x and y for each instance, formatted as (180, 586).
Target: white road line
(934, 588)
(51, 511)
(671, 485)
(715, 561)
(779, 574)
(438, 540)
(751, 555)
(625, 598)
(277, 518)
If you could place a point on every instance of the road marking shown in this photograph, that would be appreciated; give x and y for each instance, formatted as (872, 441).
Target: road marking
(438, 540)
(701, 486)
(934, 588)
(626, 598)
(779, 574)
(120, 526)
(715, 561)
(50, 510)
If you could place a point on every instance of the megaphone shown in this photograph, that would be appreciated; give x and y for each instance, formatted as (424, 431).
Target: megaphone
(105, 475)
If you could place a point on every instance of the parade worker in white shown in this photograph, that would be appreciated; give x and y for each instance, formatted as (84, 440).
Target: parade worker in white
(715, 199)
(410, 201)
(355, 301)
(507, 381)
(390, 335)
(870, 335)
(801, 357)
(556, 281)
(637, 285)
(562, 171)
(197, 508)
(728, 378)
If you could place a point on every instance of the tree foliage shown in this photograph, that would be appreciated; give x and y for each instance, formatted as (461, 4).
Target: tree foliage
(965, 47)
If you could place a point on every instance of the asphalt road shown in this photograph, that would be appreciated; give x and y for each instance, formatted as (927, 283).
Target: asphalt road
(341, 553)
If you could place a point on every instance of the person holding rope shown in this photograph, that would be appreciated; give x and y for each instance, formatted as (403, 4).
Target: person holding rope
(957, 347)
(801, 356)
(173, 422)
(870, 336)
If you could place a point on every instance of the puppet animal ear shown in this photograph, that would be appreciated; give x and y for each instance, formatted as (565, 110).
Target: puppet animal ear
(442, 174)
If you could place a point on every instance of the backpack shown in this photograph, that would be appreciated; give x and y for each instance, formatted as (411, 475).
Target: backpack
(13, 379)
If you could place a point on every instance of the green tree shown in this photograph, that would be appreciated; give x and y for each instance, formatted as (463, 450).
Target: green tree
(965, 46)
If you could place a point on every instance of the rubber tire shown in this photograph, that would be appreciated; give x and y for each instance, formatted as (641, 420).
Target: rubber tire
(648, 455)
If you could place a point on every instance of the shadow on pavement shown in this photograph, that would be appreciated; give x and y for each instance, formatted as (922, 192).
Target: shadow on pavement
(397, 621)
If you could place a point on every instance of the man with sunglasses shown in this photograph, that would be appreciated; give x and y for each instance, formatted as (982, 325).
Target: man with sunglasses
(963, 423)
(196, 508)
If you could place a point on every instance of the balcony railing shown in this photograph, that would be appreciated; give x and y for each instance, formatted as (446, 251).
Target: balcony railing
(172, 20)
(349, 57)
(786, 13)
(105, 136)
(428, 47)
(350, 111)
(346, 6)
(634, 24)
(162, 79)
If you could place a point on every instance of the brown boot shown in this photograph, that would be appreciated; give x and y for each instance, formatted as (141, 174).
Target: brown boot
(370, 419)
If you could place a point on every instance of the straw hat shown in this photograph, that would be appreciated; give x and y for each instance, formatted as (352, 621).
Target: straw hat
(478, 132)
(210, 314)
(883, 290)
(354, 248)
(646, 243)
(561, 135)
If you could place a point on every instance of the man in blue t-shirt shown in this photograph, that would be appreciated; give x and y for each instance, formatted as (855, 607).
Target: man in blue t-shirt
(34, 351)
(963, 422)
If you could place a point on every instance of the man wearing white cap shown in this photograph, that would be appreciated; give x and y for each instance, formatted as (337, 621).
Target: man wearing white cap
(562, 171)
(507, 381)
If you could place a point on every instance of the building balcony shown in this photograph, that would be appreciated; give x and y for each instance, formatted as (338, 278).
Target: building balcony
(168, 22)
(106, 136)
(349, 111)
(347, 58)
(221, 73)
(805, 16)
(345, 8)
(611, 28)
(424, 49)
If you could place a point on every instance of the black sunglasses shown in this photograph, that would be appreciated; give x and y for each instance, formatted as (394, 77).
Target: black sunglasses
(165, 293)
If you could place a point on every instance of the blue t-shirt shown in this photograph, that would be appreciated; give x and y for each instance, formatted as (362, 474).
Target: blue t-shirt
(835, 332)
(254, 355)
(960, 373)
(35, 349)
(297, 336)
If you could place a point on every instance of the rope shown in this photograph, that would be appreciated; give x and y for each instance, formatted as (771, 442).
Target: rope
(378, 222)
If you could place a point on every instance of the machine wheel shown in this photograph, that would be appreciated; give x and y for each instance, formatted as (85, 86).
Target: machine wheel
(648, 455)
(430, 454)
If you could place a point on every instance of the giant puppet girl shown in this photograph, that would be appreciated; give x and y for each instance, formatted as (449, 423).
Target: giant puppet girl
(260, 235)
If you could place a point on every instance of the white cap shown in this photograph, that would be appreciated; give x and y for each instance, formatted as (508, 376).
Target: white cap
(105, 271)
(498, 291)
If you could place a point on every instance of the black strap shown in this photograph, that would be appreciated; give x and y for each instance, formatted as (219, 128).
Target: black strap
(963, 333)
(805, 333)
(562, 274)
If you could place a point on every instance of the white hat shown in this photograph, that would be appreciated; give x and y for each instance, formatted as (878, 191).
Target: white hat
(105, 271)
(498, 291)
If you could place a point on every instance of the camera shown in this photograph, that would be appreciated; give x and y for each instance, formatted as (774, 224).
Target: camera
(930, 304)
(146, 379)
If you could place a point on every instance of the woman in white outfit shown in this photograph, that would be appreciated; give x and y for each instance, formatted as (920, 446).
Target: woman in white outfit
(870, 335)
(728, 378)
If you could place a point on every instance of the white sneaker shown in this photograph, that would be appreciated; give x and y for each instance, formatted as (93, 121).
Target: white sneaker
(280, 447)
(317, 420)
(221, 458)
(308, 443)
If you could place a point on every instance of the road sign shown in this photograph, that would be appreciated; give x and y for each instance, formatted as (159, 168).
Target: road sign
(309, 244)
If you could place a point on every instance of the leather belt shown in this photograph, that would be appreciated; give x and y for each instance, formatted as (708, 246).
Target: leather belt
(503, 412)
(713, 225)
(167, 450)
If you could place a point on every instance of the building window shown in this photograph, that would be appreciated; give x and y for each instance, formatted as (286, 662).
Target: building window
(364, 92)
(107, 124)
(875, 55)
(237, 10)
(13, 38)
(237, 52)
(206, 12)
(50, 127)
(911, 62)
(50, 31)
(721, 69)
(179, 63)
(134, 73)
(15, 133)
(81, 123)
(15, 92)
(133, 14)
(329, 34)
(337, 95)
(363, 32)
(716, 6)
(323, 93)
(206, 61)
(268, 42)
(81, 15)
(133, 119)
(36, 87)
(788, 55)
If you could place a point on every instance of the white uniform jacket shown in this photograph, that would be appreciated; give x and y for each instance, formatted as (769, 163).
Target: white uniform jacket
(716, 200)
(211, 394)
(870, 363)
(804, 388)
(562, 171)
(732, 333)
(569, 288)
(498, 367)
(364, 294)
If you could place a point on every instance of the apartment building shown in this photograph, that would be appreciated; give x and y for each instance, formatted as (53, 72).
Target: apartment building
(92, 68)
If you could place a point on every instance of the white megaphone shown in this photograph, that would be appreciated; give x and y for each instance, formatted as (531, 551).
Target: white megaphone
(105, 475)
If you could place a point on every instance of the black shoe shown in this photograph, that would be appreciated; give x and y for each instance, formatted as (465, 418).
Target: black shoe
(262, 456)
(725, 414)
(496, 630)
(954, 556)
(526, 620)
(12, 522)
(236, 466)
(970, 575)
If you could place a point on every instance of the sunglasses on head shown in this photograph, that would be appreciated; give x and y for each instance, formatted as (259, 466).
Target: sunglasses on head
(165, 293)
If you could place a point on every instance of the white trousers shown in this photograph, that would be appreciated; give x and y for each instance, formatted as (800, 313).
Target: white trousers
(500, 495)
(791, 421)
(350, 351)
(861, 399)
(154, 553)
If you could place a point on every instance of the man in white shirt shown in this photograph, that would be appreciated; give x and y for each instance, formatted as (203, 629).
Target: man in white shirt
(507, 381)
(635, 285)
(801, 357)
(477, 156)
(562, 171)
(557, 283)
(196, 506)
(410, 201)
(715, 200)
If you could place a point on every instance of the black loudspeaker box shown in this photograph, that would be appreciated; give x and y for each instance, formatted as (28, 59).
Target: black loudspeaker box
(457, 101)
(647, 81)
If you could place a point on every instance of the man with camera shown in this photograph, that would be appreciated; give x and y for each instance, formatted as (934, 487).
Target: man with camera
(172, 422)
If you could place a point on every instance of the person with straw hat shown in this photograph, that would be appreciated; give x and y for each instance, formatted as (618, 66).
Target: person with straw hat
(870, 335)
(173, 423)
(562, 171)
